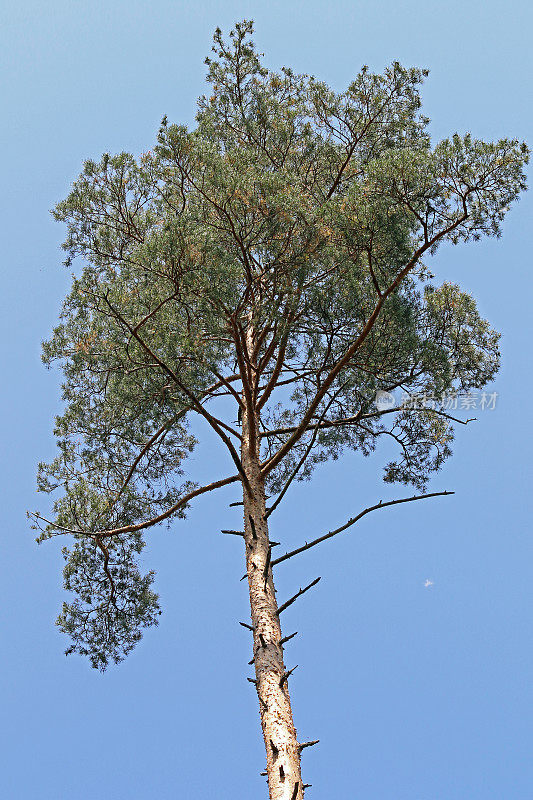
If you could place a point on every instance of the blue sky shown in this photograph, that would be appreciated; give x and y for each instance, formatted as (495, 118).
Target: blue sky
(416, 693)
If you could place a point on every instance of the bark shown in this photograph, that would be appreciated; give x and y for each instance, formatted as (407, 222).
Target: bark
(279, 733)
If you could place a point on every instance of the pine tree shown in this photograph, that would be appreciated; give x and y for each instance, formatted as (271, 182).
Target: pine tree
(261, 273)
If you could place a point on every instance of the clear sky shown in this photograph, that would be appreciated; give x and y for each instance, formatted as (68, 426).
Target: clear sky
(416, 693)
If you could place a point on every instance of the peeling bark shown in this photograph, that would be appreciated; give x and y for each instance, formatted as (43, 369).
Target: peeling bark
(279, 733)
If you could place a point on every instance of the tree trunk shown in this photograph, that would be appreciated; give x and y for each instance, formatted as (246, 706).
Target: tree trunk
(279, 733)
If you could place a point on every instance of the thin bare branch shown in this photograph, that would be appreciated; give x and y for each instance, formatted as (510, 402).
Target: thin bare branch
(353, 520)
(297, 595)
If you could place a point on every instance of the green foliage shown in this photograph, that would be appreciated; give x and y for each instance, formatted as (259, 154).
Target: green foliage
(112, 606)
(303, 213)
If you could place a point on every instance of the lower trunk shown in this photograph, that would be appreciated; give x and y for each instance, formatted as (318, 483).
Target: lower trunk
(282, 749)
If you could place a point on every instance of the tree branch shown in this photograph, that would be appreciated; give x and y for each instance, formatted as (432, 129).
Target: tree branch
(352, 349)
(215, 423)
(297, 595)
(149, 523)
(352, 521)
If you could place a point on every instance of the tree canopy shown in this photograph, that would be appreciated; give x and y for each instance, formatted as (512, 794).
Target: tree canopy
(292, 211)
